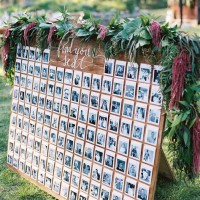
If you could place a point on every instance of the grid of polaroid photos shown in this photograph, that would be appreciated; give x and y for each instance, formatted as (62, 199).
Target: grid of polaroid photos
(82, 135)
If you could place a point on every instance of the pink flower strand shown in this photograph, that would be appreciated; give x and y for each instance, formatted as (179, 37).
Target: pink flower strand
(102, 31)
(155, 30)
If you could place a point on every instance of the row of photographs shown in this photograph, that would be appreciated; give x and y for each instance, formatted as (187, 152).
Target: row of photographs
(93, 115)
(72, 183)
(32, 53)
(132, 91)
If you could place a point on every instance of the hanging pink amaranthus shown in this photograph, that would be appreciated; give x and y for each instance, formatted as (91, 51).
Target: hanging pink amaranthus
(196, 146)
(102, 31)
(156, 33)
(181, 64)
(26, 30)
(51, 31)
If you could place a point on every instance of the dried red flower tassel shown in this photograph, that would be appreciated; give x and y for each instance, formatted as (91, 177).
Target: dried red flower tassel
(181, 64)
(196, 145)
(102, 31)
(26, 30)
(156, 33)
(4, 53)
(51, 31)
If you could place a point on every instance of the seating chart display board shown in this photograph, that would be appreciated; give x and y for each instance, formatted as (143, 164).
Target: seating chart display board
(84, 128)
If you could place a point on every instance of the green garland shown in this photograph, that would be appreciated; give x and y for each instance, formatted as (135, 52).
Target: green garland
(130, 36)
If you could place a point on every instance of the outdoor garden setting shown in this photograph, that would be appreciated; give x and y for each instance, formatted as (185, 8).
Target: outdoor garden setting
(99, 100)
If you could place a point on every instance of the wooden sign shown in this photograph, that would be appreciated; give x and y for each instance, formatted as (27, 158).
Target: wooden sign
(84, 128)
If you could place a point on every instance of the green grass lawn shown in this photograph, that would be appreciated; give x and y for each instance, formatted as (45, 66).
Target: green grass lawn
(12, 187)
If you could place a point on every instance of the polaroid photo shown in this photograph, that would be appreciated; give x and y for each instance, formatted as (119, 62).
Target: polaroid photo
(121, 164)
(11, 147)
(125, 128)
(52, 73)
(99, 155)
(68, 160)
(107, 84)
(156, 74)
(135, 150)
(66, 176)
(49, 103)
(130, 89)
(138, 131)
(114, 123)
(43, 86)
(34, 173)
(67, 92)
(101, 138)
(143, 92)
(21, 163)
(86, 80)
(40, 116)
(119, 182)
(103, 120)
(96, 172)
(60, 155)
(25, 52)
(47, 118)
(34, 98)
(109, 159)
(128, 107)
(84, 99)
(92, 117)
(38, 130)
(13, 120)
(48, 181)
(145, 73)
(26, 125)
(58, 90)
(21, 108)
(77, 164)
(112, 141)
(68, 76)
(148, 154)
(120, 68)
(140, 112)
(75, 95)
(94, 189)
(94, 99)
(63, 124)
(133, 168)
(21, 94)
(107, 177)
(105, 193)
(75, 180)
(96, 82)
(46, 56)
(88, 151)
(79, 144)
(77, 78)
(46, 133)
(74, 111)
(109, 67)
(27, 169)
(143, 192)
(17, 79)
(154, 115)
(116, 195)
(30, 143)
(44, 148)
(18, 65)
(83, 196)
(123, 145)
(10, 159)
(44, 72)
(86, 167)
(73, 194)
(70, 143)
(146, 173)
(132, 71)
(61, 140)
(19, 50)
(60, 74)
(29, 82)
(50, 166)
(41, 101)
(118, 86)
(23, 154)
(33, 114)
(36, 159)
(56, 186)
(64, 108)
(43, 163)
(14, 136)
(64, 190)
(32, 53)
(130, 187)
(41, 176)
(27, 97)
(15, 92)
(90, 135)
(36, 84)
(52, 152)
(58, 171)
(72, 127)
(151, 135)
(116, 105)
(24, 66)
(32, 127)
(30, 67)
(23, 81)
(81, 130)
(156, 95)
(105, 103)
(17, 149)
(53, 136)
(37, 69)
(38, 55)
(56, 105)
